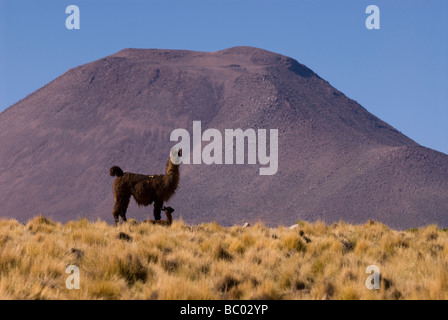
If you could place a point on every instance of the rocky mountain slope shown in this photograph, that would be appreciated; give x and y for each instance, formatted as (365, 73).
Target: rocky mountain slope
(336, 161)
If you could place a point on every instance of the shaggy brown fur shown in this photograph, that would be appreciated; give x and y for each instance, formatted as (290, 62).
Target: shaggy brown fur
(144, 188)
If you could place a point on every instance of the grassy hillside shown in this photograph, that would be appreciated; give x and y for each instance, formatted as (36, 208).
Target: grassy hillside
(143, 261)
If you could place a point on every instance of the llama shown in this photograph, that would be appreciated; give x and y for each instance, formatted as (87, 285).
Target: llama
(169, 217)
(144, 188)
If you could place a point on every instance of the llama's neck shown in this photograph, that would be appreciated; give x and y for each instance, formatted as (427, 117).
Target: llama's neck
(171, 177)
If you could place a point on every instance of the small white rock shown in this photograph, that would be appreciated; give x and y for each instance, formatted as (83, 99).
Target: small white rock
(246, 225)
(295, 226)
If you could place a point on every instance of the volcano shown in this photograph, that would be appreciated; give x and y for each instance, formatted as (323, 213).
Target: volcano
(336, 161)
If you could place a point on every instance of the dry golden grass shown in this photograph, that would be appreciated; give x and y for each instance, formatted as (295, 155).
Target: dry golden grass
(144, 261)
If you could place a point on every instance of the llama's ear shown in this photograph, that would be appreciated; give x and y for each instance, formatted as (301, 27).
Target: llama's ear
(180, 153)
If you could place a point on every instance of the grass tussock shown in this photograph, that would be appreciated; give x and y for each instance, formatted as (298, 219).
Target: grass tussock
(208, 261)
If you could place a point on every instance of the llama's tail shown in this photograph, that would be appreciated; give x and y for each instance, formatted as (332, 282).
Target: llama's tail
(116, 171)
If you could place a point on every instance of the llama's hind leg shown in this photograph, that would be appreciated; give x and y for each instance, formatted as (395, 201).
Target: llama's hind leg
(120, 209)
(157, 210)
(123, 214)
(116, 213)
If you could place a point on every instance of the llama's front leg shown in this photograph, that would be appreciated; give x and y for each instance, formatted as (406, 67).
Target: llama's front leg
(157, 210)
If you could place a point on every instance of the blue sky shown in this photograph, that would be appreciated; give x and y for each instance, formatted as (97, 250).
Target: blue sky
(399, 72)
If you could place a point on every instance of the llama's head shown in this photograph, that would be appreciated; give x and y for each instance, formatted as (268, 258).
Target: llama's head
(176, 156)
(168, 210)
